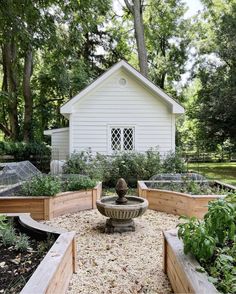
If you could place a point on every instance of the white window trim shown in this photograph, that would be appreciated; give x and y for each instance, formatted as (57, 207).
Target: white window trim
(109, 127)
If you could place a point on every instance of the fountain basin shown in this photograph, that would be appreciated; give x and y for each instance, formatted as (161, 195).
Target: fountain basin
(121, 215)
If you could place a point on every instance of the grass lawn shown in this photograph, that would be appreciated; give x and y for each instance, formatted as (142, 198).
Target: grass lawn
(223, 171)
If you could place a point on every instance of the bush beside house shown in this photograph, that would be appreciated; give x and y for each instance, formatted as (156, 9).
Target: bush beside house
(132, 166)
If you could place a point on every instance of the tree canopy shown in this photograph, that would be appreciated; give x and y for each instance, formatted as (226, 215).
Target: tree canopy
(52, 49)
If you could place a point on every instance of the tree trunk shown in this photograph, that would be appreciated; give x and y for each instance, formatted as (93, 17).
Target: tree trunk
(28, 114)
(136, 10)
(162, 81)
(10, 86)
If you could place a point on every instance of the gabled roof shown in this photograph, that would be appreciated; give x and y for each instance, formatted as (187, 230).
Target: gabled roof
(175, 106)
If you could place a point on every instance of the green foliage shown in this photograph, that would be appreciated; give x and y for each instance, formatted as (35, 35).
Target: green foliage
(45, 245)
(78, 163)
(213, 242)
(2, 222)
(75, 183)
(167, 39)
(129, 165)
(132, 166)
(22, 242)
(220, 220)
(212, 107)
(42, 185)
(173, 163)
(24, 151)
(189, 186)
(196, 239)
(46, 185)
(8, 236)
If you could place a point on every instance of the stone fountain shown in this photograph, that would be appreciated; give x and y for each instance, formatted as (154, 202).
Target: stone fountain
(122, 209)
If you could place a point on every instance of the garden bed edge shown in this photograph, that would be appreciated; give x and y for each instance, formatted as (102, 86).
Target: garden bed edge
(181, 268)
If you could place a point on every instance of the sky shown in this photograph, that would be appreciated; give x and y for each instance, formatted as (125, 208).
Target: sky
(194, 7)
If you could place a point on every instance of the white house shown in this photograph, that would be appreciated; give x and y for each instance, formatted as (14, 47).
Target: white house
(121, 110)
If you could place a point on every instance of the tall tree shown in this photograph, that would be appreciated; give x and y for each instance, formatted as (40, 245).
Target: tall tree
(24, 27)
(215, 106)
(27, 93)
(167, 38)
(136, 8)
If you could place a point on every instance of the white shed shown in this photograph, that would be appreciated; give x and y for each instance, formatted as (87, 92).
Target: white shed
(121, 110)
(59, 143)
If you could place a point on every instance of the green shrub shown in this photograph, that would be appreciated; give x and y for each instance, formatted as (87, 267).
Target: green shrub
(84, 163)
(42, 185)
(153, 163)
(76, 183)
(173, 163)
(78, 163)
(132, 166)
(128, 165)
(24, 151)
(213, 242)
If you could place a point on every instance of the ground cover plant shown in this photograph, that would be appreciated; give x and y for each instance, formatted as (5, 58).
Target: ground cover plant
(213, 242)
(222, 171)
(47, 185)
(20, 256)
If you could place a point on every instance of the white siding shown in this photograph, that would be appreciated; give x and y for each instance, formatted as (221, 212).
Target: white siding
(111, 104)
(60, 145)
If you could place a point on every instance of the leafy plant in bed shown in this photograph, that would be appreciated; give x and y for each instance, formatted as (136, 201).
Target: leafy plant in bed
(47, 185)
(75, 183)
(20, 255)
(41, 185)
(190, 187)
(213, 242)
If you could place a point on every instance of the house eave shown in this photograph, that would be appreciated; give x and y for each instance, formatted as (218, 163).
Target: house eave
(52, 131)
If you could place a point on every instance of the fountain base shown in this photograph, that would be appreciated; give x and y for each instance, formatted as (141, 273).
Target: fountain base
(119, 225)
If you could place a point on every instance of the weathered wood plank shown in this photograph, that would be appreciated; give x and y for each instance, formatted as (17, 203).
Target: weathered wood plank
(96, 194)
(176, 202)
(45, 208)
(54, 272)
(23, 205)
(181, 268)
(75, 254)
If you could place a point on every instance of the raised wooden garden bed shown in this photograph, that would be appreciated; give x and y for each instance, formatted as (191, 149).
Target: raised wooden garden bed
(176, 202)
(46, 208)
(54, 272)
(181, 268)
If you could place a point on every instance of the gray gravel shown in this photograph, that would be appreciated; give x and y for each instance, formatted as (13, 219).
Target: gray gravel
(118, 263)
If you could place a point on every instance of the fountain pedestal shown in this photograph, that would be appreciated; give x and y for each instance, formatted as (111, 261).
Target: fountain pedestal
(119, 225)
(121, 210)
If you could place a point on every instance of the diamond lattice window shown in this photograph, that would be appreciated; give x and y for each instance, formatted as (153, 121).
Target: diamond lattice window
(116, 139)
(122, 138)
(128, 138)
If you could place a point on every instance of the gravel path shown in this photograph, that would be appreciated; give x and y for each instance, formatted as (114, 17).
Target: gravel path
(118, 263)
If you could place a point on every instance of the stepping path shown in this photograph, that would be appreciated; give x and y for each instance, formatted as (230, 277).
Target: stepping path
(118, 263)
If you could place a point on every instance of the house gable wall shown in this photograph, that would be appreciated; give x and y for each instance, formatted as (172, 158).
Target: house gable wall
(112, 104)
